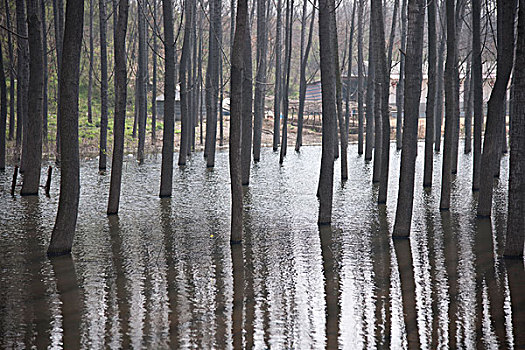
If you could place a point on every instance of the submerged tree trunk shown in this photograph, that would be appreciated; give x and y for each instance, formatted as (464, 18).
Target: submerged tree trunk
(45, 70)
(166, 172)
(236, 119)
(33, 131)
(379, 35)
(516, 207)
(66, 219)
(184, 72)
(260, 78)
(360, 79)
(369, 146)
(247, 120)
(439, 95)
(467, 107)
(141, 79)
(412, 95)
(349, 71)
(326, 177)
(286, 77)
(58, 12)
(119, 38)
(431, 96)
(477, 85)
(11, 74)
(400, 89)
(102, 160)
(3, 111)
(22, 74)
(278, 84)
(491, 142)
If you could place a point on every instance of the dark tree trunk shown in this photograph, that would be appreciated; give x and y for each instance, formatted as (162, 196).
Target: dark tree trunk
(439, 94)
(66, 220)
(247, 120)
(11, 73)
(491, 141)
(431, 96)
(236, 119)
(141, 79)
(450, 106)
(58, 15)
(516, 205)
(33, 131)
(360, 79)
(477, 86)
(119, 38)
(278, 84)
(412, 95)
(467, 102)
(302, 78)
(212, 80)
(326, 177)
(349, 71)
(260, 79)
(378, 47)
(22, 74)
(400, 88)
(194, 86)
(44, 68)
(154, 79)
(3, 111)
(166, 173)
(369, 146)
(286, 77)
(184, 72)
(102, 160)
(90, 70)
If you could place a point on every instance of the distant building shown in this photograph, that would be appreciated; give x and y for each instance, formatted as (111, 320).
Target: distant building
(159, 102)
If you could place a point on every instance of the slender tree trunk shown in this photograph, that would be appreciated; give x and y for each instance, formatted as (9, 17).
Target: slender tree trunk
(278, 84)
(302, 78)
(349, 74)
(439, 95)
(22, 74)
(431, 96)
(477, 85)
(3, 111)
(516, 207)
(400, 89)
(58, 12)
(166, 174)
(119, 38)
(236, 119)
(154, 79)
(141, 79)
(11, 74)
(102, 160)
(491, 142)
(467, 101)
(33, 131)
(326, 177)
(377, 85)
(450, 107)
(360, 79)
(212, 80)
(247, 120)
(412, 95)
(44, 69)
(66, 219)
(90, 70)
(392, 36)
(260, 79)
(286, 77)
(369, 146)
(184, 73)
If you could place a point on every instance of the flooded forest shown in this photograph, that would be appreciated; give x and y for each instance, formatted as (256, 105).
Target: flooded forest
(282, 174)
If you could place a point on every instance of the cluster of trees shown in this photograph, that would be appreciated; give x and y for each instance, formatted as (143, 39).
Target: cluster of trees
(453, 26)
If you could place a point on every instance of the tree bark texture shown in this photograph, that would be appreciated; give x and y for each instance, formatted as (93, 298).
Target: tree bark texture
(477, 86)
(11, 74)
(360, 79)
(90, 68)
(102, 160)
(3, 111)
(439, 95)
(369, 145)
(326, 177)
(260, 78)
(141, 80)
(45, 70)
(467, 107)
(119, 38)
(412, 95)
(247, 116)
(286, 77)
(278, 83)
(33, 131)
(66, 219)
(401, 83)
(22, 74)
(184, 74)
(349, 71)
(491, 141)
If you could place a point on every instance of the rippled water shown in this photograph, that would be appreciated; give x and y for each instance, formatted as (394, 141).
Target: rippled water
(163, 274)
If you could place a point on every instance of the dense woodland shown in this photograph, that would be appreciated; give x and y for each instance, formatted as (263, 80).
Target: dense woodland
(103, 64)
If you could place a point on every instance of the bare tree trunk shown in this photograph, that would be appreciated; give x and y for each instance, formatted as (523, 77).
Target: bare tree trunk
(184, 73)
(278, 84)
(400, 89)
(491, 142)
(477, 85)
(90, 69)
(33, 131)
(467, 101)
(431, 96)
(141, 79)
(22, 74)
(450, 101)
(286, 77)
(439, 94)
(66, 219)
(236, 119)
(166, 174)
(45, 70)
(412, 96)
(58, 14)
(11, 73)
(360, 79)
(326, 177)
(154, 79)
(102, 160)
(260, 79)
(392, 36)
(119, 38)
(247, 119)
(3, 111)
(378, 80)
(302, 79)
(369, 146)
(349, 74)
(516, 205)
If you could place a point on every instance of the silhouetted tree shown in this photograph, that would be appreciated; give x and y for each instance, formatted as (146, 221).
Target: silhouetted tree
(184, 76)
(3, 110)
(477, 85)
(247, 118)
(11, 73)
(369, 145)
(45, 70)
(278, 83)
(103, 87)
(66, 219)
(400, 88)
(360, 79)
(22, 73)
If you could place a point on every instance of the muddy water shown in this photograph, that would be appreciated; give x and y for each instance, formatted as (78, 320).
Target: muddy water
(163, 274)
